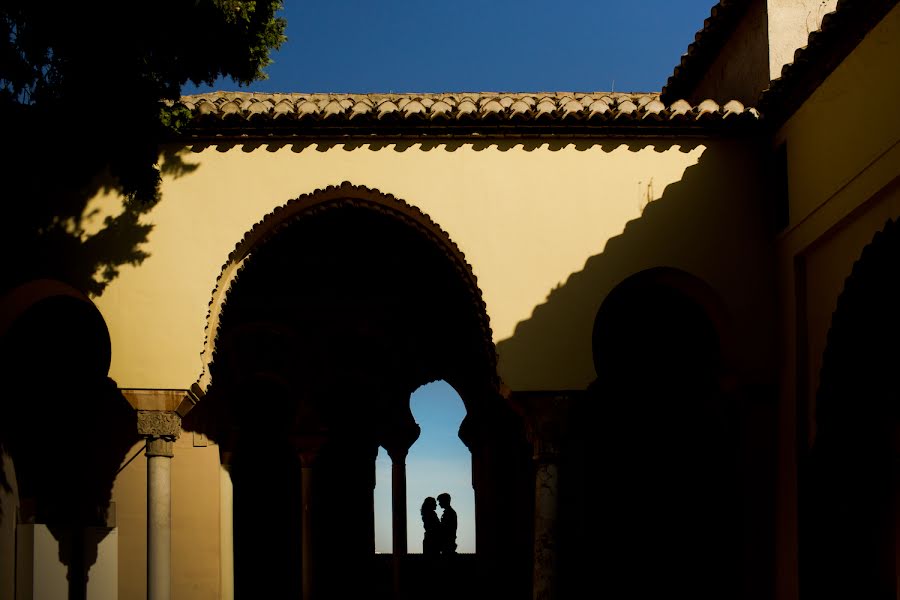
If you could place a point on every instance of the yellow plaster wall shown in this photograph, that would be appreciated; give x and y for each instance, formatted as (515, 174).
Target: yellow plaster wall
(789, 23)
(130, 495)
(843, 160)
(847, 126)
(828, 264)
(526, 214)
(843, 155)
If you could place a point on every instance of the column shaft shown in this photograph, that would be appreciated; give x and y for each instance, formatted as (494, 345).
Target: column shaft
(159, 525)
(398, 507)
(160, 428)
(545, 531)
(398, 521)
(307, 539)
(226, 534)
(546, 416)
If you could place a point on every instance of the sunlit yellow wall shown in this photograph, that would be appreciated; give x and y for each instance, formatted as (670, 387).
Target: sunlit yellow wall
(525, 217)
(843, 161)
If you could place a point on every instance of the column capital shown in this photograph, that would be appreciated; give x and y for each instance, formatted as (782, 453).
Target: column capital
(546, 418)
(161, 428)
(158, 424)
(399, 439)
(307, 446)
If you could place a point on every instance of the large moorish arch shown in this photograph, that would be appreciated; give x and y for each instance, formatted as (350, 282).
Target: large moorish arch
(326, 316)
(657, 438)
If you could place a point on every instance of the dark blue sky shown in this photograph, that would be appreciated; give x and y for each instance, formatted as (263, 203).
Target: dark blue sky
(497, 45)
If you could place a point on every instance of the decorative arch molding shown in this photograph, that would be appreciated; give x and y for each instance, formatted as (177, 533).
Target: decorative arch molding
(866, 308)
(847, 477)
(345, 195)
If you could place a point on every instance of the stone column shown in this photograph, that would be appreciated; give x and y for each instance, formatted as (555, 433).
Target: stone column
(160, 428)
(307, 447)
(397, 443)
(226, 527)
(546, 417)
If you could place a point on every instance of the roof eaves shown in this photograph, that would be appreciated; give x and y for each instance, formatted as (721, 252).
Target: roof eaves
(708, 42)
(245, 115)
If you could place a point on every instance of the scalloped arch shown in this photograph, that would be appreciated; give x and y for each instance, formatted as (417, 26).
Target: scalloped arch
(314, 203)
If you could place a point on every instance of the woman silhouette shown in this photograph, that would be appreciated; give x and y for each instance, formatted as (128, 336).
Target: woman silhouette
(431, 543)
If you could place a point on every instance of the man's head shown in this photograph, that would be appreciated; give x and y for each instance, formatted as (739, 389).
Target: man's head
(444, 500)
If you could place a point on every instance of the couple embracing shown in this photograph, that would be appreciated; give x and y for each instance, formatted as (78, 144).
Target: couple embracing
(440, 534)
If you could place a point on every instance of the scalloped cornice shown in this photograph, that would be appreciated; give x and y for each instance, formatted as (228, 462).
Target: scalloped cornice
(333, 197)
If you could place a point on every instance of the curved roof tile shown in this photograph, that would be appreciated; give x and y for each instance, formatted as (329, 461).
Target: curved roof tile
(721, 23)
(222, 114)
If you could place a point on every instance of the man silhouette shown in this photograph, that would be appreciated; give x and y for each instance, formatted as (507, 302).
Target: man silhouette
(448, 525)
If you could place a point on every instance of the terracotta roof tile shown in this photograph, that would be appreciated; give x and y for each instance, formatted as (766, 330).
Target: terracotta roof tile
(721, 23)
(243, 113)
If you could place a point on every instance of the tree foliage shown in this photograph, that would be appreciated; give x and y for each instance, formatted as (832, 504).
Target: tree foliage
(88, 92)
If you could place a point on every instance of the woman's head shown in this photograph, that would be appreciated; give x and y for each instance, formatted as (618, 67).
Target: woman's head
(429, 504)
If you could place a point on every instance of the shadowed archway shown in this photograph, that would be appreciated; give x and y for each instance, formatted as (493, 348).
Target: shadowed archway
(657, 439)
(327, 316)
(64, 424)
(849, 479)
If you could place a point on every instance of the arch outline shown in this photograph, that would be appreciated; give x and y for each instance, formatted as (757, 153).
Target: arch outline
(314, 203)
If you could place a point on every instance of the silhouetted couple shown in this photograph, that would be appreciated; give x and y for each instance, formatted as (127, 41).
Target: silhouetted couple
(440, 534)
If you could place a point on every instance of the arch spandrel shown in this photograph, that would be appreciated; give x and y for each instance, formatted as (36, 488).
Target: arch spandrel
(307, 205)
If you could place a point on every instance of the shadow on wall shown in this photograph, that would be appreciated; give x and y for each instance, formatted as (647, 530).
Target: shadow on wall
(713, 224)
(57, 228)
(670, 458)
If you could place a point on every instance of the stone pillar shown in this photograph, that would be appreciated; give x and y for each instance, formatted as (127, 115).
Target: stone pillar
(546, 417)
(226, 527)
(160, 428)
(307, 447)
(397, 443)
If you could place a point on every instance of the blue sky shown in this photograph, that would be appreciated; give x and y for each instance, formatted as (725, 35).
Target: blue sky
(498, 45)
(437, 462)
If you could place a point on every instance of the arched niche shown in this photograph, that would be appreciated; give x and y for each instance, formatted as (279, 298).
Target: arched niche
(655, 443)
(63, 422)
(326, 317)
(848, 488)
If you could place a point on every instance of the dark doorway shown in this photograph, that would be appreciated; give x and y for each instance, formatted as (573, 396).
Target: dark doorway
(658, 473)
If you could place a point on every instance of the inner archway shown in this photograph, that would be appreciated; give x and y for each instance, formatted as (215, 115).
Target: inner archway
(659, 477)
(440, 463)
(327, 317)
